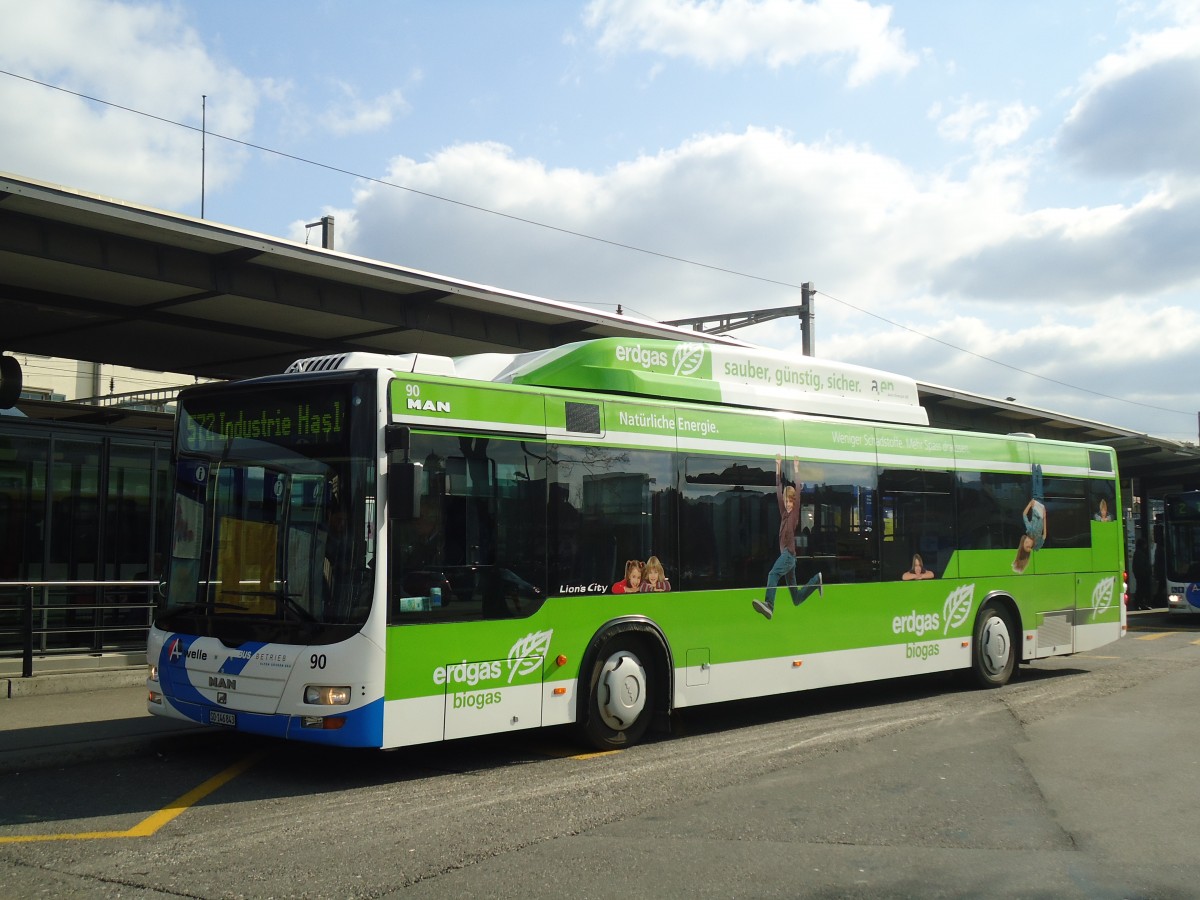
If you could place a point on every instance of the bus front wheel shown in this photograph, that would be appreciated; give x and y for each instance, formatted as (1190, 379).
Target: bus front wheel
(619, 701)
(993, 654)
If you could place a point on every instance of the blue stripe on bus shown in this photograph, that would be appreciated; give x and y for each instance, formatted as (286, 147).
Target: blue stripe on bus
(363, 726)
(233, 666)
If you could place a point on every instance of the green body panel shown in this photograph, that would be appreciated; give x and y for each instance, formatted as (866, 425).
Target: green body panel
(647, 368)
(996, 454)
(722, 623)
(445, 400)
(720, 626)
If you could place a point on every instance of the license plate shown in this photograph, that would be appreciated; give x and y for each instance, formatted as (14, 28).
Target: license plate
(221, 717)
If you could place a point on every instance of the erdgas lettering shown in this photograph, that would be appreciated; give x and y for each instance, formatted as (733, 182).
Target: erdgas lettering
(916, 623)
(524, 658)
(639, 355)
(470, 673)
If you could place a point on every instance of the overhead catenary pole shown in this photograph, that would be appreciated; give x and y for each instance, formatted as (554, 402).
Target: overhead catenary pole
(203, 145)
(808, 338)
(723, 322)
(326, 226)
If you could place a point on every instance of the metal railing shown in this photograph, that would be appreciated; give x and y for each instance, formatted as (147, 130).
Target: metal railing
(51, 627)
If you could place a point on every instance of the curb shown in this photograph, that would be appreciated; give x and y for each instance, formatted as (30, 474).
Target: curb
(71, 682)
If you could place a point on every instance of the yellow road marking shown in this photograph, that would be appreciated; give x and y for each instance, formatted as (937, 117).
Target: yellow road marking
(155, 821)
(1151, 637)
(571, 754)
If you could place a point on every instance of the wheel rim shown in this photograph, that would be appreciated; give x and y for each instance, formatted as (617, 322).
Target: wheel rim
(995, 645)
(621, 691)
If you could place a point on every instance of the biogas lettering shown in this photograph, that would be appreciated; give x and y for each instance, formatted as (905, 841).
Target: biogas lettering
(921, 651)
(476, 699)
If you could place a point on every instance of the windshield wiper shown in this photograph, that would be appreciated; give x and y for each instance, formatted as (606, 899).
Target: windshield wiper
(205, 606)
(285, 600)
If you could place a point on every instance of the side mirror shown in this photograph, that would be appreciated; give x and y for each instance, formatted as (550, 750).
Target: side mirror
(404, 475)
(10, 382)
(404, 489)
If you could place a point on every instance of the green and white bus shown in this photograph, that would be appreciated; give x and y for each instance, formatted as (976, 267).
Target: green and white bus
(385, 551)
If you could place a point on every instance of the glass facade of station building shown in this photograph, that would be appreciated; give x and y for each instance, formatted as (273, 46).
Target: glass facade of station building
(79, 504)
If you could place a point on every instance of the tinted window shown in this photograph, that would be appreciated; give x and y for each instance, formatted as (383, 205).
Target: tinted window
(916, 520)
(837, 534)
(609, 505)
(730, 522)
(478, 548)
(990, 509)
(1068, 520)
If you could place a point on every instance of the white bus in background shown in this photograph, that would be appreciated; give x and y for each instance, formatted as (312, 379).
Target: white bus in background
(1181, 540)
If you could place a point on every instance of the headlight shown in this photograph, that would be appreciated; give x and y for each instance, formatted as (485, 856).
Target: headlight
(153, 674)
(323, 695)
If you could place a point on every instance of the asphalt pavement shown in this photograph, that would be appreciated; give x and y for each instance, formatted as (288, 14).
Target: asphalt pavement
(54, 720)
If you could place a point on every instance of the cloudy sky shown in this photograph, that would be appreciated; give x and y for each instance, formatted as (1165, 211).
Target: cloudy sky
(1001, 197)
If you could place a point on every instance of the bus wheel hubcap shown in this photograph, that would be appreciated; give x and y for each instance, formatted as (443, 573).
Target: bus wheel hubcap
(997, 645)
(621, 693)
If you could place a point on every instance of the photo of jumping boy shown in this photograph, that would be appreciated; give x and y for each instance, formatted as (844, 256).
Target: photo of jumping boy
(785, 565)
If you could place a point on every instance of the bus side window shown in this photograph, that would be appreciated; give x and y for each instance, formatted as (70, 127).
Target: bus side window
(917, 513)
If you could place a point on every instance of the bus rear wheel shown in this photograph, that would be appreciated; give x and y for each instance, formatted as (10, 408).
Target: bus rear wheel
(993, 654)
(619, 696)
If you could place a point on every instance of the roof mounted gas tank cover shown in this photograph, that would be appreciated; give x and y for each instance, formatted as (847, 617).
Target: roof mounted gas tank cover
(711, 373)
(420, 363)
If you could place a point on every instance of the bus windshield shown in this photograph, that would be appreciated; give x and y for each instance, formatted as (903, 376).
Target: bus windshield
(1183, 537)
(274, 517)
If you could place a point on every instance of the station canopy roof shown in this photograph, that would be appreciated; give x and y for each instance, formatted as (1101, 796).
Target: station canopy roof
(93, 278)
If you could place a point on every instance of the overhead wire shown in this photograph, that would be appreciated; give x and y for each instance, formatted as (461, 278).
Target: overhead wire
(583, 235)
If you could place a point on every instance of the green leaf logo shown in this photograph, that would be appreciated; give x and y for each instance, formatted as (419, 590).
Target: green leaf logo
(688, 358)
(957, 607)
(527, 654)
(1102, 594)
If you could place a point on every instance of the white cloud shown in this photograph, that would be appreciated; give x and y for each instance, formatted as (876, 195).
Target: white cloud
(1139, 109)
(984, 124)
(757, 202)
(1099, 293)
(775, 33)
(355, 115)
(962, 260)
(143, 57)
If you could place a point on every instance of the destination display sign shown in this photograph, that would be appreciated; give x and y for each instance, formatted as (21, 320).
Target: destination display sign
(314, 417)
